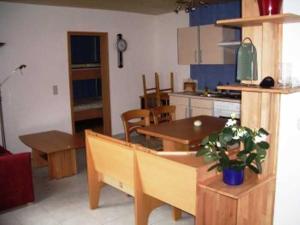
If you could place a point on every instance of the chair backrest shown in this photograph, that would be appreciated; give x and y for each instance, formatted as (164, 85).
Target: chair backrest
(157, 85)
(162, 96)
(150, 95)
(133, 119)
(164, 113)
(153, 97)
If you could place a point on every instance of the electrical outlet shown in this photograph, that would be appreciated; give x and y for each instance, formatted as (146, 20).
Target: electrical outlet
(55, 89)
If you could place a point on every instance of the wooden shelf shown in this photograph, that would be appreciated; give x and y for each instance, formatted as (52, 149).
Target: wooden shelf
(257, 21)
(86, 73)
(278, 90)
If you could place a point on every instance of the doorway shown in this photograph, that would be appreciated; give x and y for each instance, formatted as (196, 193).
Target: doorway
(89, 82)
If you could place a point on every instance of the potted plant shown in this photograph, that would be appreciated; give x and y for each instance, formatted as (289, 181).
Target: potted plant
(218, 147)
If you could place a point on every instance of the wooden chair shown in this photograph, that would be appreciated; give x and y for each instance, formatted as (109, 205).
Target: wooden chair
(150, 95)
(133, 119)
(162, 94)
(164, 113)
(154, 97)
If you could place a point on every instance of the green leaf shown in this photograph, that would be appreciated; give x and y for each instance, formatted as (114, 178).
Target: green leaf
(242, 155)
(253, 168)
(232, 142)
(213, 137)
(249, 131)
(202, 151)
(227, 131)
(237, 165)
(263, 131)
(261, 152)
(258, 165)
(210, 158)
(213, 167)
(250, 158)
(205, 140)
(263, 144)
(249, 144)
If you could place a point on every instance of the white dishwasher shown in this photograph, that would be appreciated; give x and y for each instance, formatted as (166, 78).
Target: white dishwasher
(225, 109)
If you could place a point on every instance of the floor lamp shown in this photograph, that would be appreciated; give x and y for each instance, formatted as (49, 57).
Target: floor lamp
(1, 111)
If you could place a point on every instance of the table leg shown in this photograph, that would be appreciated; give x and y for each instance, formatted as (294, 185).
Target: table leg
(62, 164)
(39, 159)
(176, 213)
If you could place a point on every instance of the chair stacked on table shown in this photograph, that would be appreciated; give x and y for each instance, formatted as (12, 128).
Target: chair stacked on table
(155, 96)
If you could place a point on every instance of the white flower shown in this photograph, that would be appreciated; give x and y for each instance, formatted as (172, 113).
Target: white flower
(236, 137)
(230, 123)
(218, 144)
(241, 132)
(233, 115)
(260, 138)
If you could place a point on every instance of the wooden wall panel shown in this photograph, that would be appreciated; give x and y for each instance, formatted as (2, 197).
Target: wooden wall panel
(256, 208)
(251, 104)
(263, 110)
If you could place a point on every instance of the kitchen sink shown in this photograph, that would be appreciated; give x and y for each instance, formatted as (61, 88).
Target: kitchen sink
(227, 94)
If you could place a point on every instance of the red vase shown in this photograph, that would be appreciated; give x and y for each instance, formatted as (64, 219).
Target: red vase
(269, 7)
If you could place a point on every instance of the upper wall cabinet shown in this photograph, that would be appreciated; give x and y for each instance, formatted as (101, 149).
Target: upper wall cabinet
(199, 45)
(188, 45)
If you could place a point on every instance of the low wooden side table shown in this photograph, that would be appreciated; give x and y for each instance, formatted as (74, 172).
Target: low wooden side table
(250, 203)
(55, 149)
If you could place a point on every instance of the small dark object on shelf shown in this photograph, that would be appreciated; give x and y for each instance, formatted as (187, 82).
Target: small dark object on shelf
(267, 82)
(1, 44)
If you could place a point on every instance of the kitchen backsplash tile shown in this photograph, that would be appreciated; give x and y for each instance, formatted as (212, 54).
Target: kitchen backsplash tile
(211, 75)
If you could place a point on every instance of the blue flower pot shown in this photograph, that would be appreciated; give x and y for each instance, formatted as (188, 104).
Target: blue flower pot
(232, 176)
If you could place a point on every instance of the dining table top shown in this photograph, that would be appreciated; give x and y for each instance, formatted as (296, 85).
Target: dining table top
(184, 131)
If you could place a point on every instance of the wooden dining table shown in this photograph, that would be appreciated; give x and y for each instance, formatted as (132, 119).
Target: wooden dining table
(183, 135)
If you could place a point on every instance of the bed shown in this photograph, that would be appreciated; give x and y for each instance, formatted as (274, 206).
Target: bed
(88, 108)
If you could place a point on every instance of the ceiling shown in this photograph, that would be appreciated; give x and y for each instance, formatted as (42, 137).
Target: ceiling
(153, 7)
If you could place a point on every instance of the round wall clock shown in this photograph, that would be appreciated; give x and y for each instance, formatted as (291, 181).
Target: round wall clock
(121, 47)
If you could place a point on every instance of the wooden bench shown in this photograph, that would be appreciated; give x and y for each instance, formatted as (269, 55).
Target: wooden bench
(146, 175)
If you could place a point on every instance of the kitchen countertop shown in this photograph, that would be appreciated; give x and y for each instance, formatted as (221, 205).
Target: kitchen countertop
(200, 95)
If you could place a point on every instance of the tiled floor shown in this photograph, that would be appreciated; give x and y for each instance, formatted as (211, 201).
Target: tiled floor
(65, 202)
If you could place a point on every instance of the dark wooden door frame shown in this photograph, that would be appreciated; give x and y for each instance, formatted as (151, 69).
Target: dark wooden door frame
(104, 68)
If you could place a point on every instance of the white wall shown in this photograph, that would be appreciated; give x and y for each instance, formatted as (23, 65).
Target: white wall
(37, 36)
(166, 48)
(287, 199)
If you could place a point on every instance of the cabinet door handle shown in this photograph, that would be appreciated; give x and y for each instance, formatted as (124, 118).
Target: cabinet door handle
(200, 56)
(185, 112)
(196, 56)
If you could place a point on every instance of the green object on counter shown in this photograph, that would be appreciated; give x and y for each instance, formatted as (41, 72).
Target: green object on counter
(247, 61)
